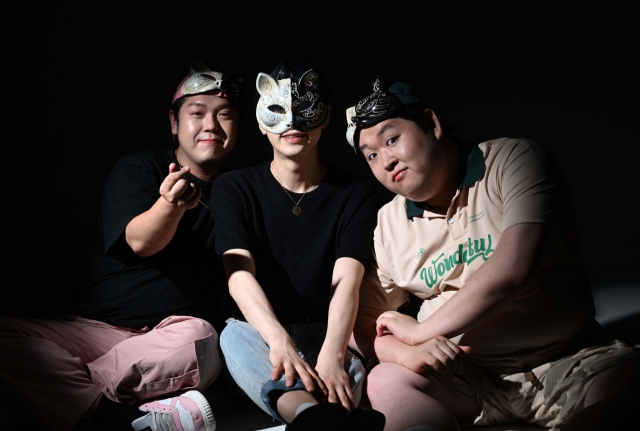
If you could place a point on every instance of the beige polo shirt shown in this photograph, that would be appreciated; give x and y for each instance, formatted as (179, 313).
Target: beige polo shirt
(507, 181)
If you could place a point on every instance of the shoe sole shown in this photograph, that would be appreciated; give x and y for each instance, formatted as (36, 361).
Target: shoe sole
(202, 402)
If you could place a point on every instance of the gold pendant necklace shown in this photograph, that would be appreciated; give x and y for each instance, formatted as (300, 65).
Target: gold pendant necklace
(297, 209)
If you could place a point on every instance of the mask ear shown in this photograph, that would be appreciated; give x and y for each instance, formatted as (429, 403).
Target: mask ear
(266, 85)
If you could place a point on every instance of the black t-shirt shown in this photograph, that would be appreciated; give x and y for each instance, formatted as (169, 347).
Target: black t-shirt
(295, 255)
(185, 278)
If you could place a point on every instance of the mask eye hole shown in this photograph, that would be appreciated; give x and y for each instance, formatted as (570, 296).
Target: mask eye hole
(277, 109)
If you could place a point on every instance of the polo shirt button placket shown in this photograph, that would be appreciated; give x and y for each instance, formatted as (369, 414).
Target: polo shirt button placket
(454, 228)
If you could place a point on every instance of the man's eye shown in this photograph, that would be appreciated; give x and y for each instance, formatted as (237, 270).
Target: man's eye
(371, 156)
(392, 141)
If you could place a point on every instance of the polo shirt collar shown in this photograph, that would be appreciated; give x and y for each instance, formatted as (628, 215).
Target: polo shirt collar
(473, 167)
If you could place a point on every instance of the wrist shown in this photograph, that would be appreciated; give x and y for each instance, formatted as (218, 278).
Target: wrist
(277, 336)
(330, 355)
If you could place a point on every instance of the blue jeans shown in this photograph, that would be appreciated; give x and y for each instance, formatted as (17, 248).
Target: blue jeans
(247, 358)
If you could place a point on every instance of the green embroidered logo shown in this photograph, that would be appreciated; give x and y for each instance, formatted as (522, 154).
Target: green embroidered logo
(475, 249)
(476, 217)
(421, 253)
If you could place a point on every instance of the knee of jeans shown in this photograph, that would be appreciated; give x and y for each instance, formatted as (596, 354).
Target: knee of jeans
(231, 334)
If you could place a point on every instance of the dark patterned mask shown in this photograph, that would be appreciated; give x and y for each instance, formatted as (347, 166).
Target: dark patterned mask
(383, 103)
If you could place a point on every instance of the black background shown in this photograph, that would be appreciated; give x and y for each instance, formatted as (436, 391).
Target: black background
(85, 85)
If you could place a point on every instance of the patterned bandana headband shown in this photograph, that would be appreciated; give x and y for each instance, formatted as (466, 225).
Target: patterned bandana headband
(383, 103)
(202, 79)
(286, 105)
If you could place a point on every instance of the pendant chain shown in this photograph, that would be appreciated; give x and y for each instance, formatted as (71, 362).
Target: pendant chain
(297, 209)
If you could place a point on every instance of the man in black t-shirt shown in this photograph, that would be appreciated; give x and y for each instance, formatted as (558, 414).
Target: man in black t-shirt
(294, 236)
(144, 324)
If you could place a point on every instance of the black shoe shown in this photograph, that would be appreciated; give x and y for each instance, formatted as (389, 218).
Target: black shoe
(364, 419)
(322, 417)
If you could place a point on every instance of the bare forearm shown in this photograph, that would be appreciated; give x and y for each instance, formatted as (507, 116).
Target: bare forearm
(151, 231)
(501, 278)
(347, 276)
(342, 316)
(389, 349)
(255, 306)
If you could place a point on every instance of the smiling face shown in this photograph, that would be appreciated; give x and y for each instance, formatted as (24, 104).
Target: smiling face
(419, 166)
(207, 129)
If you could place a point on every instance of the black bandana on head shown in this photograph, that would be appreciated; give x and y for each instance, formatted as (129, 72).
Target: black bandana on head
(383, 103)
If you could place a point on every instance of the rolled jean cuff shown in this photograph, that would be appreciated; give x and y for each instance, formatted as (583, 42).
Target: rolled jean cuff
(271, 389)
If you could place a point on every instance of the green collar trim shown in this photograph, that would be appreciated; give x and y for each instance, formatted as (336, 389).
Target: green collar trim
(474, 170)
(414, 209)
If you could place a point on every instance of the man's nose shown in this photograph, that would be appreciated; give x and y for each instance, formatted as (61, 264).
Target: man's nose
(389, 161)
(211, 122)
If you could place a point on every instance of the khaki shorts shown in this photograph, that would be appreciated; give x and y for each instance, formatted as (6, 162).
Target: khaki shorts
(546, 396)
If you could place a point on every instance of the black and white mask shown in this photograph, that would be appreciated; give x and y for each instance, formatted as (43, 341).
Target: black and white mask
(286, 105)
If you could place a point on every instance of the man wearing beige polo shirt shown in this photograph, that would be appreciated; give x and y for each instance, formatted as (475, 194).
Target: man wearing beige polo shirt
(484, 235)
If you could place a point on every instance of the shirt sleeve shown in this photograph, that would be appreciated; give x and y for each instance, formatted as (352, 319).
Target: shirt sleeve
(530, 184)
(130, 190)
(378, 289)
(357, 224)
(229, 208)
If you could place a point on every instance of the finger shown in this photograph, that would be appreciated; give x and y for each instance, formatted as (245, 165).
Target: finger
(379, 330)
(465, 350)
(332, 397)
(450, 349)
(276, 372)
(453, 346)
(189, 192)
(173, 167)
(441, 360)
(195, 197)
(178, 174)
(289, 375)
(381, 327)
(346, 397)
(319, 382)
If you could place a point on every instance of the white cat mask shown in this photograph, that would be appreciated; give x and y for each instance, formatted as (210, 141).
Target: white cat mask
(286, 105)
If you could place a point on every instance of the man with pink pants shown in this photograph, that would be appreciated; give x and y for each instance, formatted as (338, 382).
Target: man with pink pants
(144, 324)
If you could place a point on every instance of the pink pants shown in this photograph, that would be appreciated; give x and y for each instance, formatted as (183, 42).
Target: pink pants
(60, 367)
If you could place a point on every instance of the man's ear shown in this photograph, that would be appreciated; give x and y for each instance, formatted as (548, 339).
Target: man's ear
(174, 122)
(432, 122)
